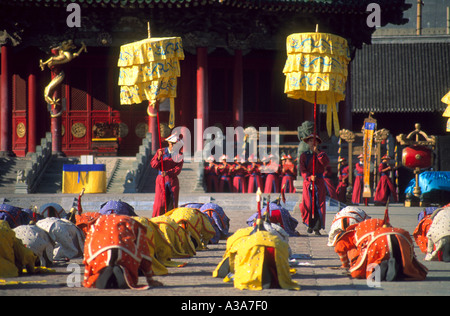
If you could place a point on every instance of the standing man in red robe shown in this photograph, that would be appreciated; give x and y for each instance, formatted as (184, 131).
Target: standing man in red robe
(359, 183)
(254, 175)
(212, 180)
(288, 173)
(224, 173)
(272, 182)
(328, 178)
(341, 190)
(385, 186)
(312, 166)
(167, 187)
(239, 173)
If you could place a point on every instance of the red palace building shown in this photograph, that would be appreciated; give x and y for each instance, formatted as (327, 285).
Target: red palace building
(231, 75)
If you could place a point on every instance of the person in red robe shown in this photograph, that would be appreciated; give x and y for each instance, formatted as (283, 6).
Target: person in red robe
(389, 248)
(421, 230)
(167, 186)
(432, 233)
(341, 189)
(374, 246)
(288, 174)
(116, 251)
(312, 166)
(239, 173)
(341, 232)
(359, 182)
(328, 178)
(254, 175)
(212, 181)
(224, 173)
(272, 182)
(385, 186)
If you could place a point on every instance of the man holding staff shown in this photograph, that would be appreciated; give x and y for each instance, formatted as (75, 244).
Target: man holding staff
(312, 165)
(169, 164)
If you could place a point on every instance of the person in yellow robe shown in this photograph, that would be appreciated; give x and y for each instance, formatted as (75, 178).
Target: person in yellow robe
(257, 259)
(196, 223)
(178, 238)
(14, 256)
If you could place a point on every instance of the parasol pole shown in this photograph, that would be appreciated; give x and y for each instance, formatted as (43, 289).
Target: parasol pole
(162, 156)
(314, 158)
(149, 34)
(314, 154)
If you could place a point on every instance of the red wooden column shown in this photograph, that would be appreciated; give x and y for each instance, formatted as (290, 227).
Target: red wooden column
(32, 103)
(238, 103)
(202, 96)
(153, 127)
(5, 105)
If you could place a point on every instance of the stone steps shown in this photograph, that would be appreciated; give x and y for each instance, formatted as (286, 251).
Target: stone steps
(116, 171)
(51, 180)
(8, 173)
(117, 179)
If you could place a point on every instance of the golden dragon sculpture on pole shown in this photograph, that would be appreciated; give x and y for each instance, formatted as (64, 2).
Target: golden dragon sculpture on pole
(62, 56)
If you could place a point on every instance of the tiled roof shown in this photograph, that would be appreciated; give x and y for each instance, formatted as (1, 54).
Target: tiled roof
(411, 77)
(331, 6)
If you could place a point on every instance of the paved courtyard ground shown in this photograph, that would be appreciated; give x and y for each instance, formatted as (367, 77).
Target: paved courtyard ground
(317, 275)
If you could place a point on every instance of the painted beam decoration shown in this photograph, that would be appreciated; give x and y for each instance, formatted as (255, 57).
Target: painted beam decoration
(148, 70)
(316, 70)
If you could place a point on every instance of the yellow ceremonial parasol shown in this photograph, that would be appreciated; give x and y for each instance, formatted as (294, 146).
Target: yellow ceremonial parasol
(316, 71)
(446, 99)
(148, 70)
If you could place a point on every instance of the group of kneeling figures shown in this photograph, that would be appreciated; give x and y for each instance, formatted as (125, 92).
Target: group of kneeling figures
(118, 246)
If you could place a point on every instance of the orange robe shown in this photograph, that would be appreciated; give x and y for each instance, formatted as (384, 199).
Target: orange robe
(85, 220)
(420, 233)
(376, 244)
(129, 238)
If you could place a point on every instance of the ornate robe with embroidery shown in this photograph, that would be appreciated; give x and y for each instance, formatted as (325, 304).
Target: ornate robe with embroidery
(128, 239)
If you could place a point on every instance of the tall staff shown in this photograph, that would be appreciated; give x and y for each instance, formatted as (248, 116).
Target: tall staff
(160, 144)
(314, 157)
(316, 71)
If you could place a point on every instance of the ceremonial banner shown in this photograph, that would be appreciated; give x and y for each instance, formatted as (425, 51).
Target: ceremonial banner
(369, 130)
(316, 70)
(90, 177)
(148, 70)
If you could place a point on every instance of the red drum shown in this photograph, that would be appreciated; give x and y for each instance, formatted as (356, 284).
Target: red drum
(417, 156)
